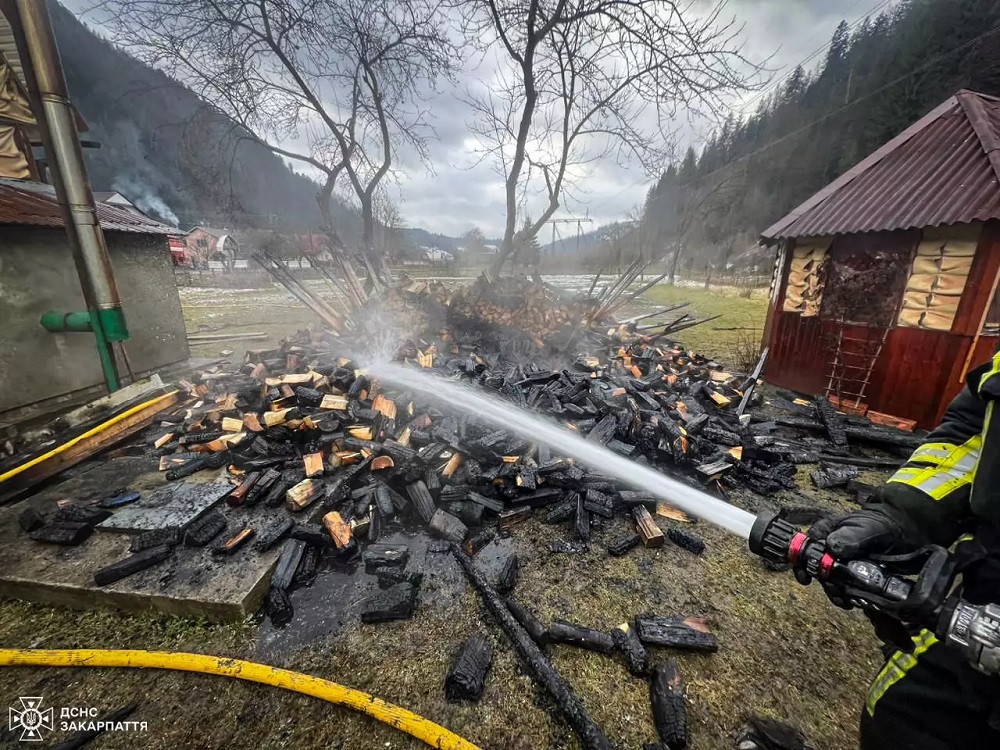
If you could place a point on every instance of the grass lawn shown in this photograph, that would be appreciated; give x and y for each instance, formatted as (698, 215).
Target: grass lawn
(728, 346)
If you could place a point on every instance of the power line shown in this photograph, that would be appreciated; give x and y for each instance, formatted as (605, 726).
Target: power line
(856, 22)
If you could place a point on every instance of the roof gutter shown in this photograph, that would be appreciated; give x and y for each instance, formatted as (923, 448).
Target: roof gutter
(49, 97)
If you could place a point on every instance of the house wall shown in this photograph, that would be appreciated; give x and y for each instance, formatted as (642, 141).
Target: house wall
(918, 371)
(37, 274)
(200, 244)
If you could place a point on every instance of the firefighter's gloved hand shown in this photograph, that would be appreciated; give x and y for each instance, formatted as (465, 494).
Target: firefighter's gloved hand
(876, 529)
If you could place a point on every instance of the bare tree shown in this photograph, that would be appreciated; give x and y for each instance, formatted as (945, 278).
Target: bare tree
(337, 85)
(584, 80)
(389, 227)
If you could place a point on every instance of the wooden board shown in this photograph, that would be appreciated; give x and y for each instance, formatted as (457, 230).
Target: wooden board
(84, 449)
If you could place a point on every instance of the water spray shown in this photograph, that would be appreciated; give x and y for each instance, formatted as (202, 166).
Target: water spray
(533, 427)
(898, 593)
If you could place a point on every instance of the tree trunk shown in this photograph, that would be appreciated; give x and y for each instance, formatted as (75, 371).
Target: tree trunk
(672, 277)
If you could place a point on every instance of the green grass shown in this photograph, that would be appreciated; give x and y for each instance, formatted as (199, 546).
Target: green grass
(728, 346)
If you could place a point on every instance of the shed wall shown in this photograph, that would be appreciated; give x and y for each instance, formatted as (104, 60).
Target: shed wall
(918, 371)
(37, 274)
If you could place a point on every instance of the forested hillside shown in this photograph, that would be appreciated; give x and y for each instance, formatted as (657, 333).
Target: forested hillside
(163, 149)
(878, 76)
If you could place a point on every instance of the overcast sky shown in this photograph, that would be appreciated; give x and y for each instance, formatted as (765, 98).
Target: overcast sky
(459, 195)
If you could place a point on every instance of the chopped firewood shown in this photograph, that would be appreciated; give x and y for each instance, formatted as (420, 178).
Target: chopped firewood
(581, 524)
(274, 534)
(302, 495)
(334, 403)
(252, 422)
(561, 631)
(385, 407)
(622, 546)
(205, 529)
(718, 398)
(422, 500)
(630, 498)
(826, 477)
(163, 440)
(487, 502)
(238, 495)
(340, 532)
(231, 545)
(541, 669)
(381, 462)
(666, 510)
(514, 516)
(448, 527)
(64, 533)
(385, 555)
(278, 606)
(131, 565)
(452, 466)
(230, 424)
(833, 421)
(636, 657)
(477, 541)
(467, 675)
(308, 566)
(313, 463)
(685, 540)
(562, 512)
(598, 502)
(395, 603)
(275, 418)
(507, 576)
(646, 527)
(404, 437)
(345, 458)
(361, 432)
(288, 563)
(667, 698)
(687, 633)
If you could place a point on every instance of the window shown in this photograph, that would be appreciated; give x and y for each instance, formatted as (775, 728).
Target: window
(804, 291)
(865, 277)
(937, 278)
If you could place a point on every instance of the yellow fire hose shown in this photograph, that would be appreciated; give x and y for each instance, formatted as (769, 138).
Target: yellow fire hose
(394, 716)
(89, 433)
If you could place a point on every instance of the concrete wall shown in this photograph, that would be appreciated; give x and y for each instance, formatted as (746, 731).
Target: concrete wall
(37, 274)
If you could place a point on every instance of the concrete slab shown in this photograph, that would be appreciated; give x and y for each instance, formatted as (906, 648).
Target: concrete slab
(178, 504)
(193, 582)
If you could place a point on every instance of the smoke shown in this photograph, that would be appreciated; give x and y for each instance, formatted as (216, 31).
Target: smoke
(145, 199)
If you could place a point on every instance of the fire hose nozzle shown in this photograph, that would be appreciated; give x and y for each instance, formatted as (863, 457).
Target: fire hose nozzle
(772, 537)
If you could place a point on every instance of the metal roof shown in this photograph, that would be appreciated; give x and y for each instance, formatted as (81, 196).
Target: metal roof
(34, 204)
(943, 169)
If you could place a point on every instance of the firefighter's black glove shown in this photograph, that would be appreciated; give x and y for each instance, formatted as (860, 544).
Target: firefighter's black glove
(876, 529)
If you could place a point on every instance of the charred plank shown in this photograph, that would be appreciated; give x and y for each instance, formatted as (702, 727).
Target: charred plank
(561, 631)
(624, 545)
(628, 643)
(667, 698)
(591, 737)
(467, 676)
(131, 565)
(395, 603)
(687, 633)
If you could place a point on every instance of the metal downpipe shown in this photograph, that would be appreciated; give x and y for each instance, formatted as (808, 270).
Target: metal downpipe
(54, 114)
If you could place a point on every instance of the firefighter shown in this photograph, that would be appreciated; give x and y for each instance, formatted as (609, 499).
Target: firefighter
(948, 493)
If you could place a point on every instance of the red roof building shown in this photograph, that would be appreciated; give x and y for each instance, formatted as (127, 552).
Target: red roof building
(885, 282)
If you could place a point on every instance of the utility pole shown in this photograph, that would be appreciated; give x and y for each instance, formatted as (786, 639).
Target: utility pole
(578, 222)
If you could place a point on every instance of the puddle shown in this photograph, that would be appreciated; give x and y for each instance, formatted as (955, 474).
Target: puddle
(333, 601)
